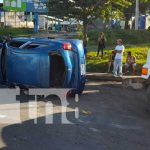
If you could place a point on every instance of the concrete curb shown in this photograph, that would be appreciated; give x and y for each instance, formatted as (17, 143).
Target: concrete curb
(102, 77)
(136, 82)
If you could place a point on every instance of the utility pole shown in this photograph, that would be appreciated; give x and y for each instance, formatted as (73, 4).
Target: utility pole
(137, 15)
(4, 19)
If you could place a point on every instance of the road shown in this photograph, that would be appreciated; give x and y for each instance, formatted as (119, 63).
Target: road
(110, 118)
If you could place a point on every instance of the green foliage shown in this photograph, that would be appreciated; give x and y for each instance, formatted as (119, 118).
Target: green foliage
(87, 10)
(144, 1)
(128, 36)
(59, 8)
(16, 31)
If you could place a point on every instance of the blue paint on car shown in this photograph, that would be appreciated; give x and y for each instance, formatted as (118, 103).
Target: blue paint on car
(44, 63)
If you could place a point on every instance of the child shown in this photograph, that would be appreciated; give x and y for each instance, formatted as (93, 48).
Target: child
(111, 60)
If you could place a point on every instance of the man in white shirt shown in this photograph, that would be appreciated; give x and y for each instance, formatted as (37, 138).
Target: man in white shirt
(119, 50)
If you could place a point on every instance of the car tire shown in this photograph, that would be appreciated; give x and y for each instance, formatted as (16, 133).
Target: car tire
(148, 92)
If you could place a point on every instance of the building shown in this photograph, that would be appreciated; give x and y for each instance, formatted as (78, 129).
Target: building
(25, 20)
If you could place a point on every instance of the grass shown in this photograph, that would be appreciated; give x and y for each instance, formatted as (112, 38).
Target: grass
(97, 64)
(130, 38)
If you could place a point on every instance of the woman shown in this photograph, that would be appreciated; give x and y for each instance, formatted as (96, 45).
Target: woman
(130, 64)
(101, 44)
(85, 43)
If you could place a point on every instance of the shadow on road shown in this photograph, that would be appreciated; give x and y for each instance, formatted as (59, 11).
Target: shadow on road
(110, 118)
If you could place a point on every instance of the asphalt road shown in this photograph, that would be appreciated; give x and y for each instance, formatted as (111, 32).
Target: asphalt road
(110, 118)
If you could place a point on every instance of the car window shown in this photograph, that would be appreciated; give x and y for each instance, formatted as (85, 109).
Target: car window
(33, 45)
(30, 46)
(16, 44)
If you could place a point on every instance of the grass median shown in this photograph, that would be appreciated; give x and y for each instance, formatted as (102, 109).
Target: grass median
(97, 64)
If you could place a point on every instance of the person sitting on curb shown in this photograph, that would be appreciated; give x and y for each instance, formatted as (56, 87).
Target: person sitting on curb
(130, 63)
(111, 60)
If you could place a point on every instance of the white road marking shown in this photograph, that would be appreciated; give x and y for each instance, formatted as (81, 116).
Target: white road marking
(14, 113)
(3, 116)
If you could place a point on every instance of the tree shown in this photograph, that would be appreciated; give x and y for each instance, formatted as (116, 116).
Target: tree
(86, 10)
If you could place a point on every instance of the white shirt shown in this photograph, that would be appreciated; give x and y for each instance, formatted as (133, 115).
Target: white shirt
(119, 48)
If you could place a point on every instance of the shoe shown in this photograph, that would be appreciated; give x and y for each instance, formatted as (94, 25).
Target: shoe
(115, 75)
(120, 76)
(86, 80)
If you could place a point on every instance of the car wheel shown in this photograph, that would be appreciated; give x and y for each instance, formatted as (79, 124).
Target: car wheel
(148, 92)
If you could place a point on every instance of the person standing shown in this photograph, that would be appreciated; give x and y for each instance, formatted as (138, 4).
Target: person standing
(85, 43)
(101, 44)
(119, 50)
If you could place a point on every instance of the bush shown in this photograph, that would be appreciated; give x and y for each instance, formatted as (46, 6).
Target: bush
(16, 31)
(128, 36)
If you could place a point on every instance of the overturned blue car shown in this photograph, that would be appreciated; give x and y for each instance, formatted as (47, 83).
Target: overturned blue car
(43, 63)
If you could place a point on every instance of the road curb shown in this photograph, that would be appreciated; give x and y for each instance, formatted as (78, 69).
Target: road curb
(136, 82)
(103, 77)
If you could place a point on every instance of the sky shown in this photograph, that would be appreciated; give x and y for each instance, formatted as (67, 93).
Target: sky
(1, 1)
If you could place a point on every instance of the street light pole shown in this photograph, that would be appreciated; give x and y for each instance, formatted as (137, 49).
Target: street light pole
(137, 15)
